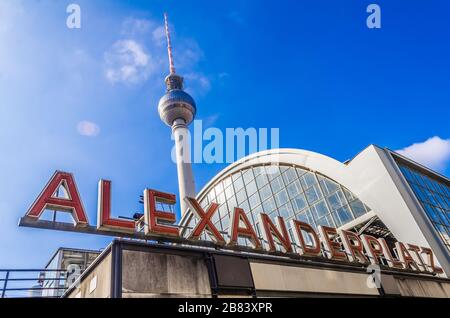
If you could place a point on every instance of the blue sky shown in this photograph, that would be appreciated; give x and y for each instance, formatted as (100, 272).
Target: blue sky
(85, 100)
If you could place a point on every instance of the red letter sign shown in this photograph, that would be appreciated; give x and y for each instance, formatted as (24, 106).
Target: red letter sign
(353, 246)
(334, 248)
(104, 220)
(391, 260)
(205, 222)
(407, 260)
(48, 200)
(373, 248)
(430, 260)
(271, 230)
(247, 231)
(419, 260)
(306, 250)
(152, 215)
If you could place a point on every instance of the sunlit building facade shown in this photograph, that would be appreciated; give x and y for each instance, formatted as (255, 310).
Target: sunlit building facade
(378, 192)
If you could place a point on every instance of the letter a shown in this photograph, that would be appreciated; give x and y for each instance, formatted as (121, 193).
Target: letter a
(374, 19)
(48, 200)
(74, 19)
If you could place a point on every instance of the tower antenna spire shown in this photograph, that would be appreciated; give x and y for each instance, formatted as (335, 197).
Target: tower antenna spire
(169, 44)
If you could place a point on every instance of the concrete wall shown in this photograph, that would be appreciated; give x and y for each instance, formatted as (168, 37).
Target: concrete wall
(152, 274)
(96, 284)
(155, 272)
(309, 280)
(293, 280)
(423, 288)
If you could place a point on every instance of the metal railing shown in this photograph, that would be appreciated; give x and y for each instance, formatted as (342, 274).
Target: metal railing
(18, 283)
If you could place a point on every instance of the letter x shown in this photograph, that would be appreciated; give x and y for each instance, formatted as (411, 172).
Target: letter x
(205, 221)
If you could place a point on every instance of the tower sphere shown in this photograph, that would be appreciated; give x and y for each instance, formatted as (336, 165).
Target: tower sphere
(176, 103)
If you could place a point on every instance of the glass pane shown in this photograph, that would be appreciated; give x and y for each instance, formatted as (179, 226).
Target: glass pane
(241, 196)
(269, 205)
(212, 197)
(232, 203)
(219, 188)
(294, 189)
(248, 176)
(277, 184)
(329, 186)
(265, 192)
(238, 184)
(324, 222)
(300, 171)
(261, 180)
(227, 182)
(225, 223)
(258, 170)
(223, 211)
(358, 208)
(335, 201)
(312, 194)
(299, 203)
(286, 211)
(308, 179)
(204, 204)
(320, 209)
(256, 211)
(349, 195)
(281, 197)
(216, 217)
(244, 206)
(342, 216)
(229, 192)
(290, 175)
(302, 217)
(254, 200)
(272, 171)
(221, 198)
(251, 188)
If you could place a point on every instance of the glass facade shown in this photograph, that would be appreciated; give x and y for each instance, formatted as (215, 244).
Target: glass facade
(434, 196)
(281, 190)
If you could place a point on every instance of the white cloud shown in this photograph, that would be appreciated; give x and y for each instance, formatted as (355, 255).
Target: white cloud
(88, 128)
(130, 62)
(187, 54)
(159, 35)
(127, 61)
(197, 82)
(433, 153)
(133, 26)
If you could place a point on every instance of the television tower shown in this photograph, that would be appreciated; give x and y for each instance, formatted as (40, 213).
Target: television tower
(177, 109)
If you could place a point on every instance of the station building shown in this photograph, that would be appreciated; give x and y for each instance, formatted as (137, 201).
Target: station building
(378, 193)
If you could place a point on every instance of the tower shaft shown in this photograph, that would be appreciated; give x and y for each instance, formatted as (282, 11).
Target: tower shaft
(186, 183)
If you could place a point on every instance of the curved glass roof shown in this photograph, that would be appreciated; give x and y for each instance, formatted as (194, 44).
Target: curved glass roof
(281, 190)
